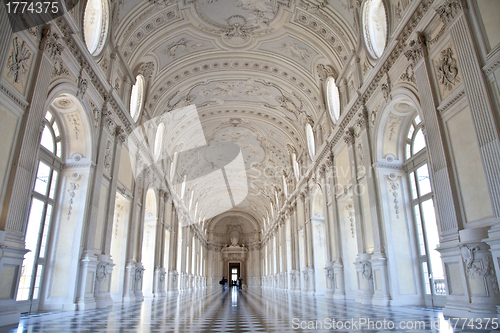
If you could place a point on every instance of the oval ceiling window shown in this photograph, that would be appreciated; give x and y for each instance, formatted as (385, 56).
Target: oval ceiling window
(159, 141)
(136, 97)
(375, 27)
(310, 141)
(95, 25)
(333, 99)
(295, 164)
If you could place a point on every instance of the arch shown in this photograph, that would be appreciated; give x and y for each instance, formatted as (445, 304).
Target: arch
(76, 119)
(402, 95)
(213, 222)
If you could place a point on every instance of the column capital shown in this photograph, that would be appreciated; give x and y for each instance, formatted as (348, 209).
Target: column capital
(349, 136)
(450, 10)
(417, 49)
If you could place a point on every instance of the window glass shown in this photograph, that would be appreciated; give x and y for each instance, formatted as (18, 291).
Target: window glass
(47, 140)
(32, 233)
(410, 132)
(136, 97)
(413, 186)
(418, 142)
(48, 218)
(95, 25)
(333, 99)
(56, 129)
(424, 182)
(420, 230)
(42, 178)
(432, 235)
(375, 27)
(53, 184)
(310, 141)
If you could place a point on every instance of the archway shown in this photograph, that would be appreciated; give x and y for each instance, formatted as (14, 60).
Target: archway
(148, 241)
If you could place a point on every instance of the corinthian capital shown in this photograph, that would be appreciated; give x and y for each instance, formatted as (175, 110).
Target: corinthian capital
(449, 10)
(417, 49)
(349, 136)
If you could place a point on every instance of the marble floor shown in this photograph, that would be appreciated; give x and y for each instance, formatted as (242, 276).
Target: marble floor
(250, 310)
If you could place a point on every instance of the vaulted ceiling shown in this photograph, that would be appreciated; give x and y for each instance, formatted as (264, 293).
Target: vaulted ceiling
(250, 67)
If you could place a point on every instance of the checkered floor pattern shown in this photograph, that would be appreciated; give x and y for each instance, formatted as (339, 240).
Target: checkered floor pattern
(250, 310)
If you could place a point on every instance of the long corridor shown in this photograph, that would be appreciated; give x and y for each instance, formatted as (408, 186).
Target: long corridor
(233, 310)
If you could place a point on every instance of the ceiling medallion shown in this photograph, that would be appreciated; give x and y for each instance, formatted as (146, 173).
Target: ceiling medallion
(64, 103)
(403, 107)
(249, 18)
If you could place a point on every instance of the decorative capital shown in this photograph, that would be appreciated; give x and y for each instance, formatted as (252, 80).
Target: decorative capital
(324, 71)
(417, 49)
(50, 43)
(349, 136)
(147, 69)
(450, 10)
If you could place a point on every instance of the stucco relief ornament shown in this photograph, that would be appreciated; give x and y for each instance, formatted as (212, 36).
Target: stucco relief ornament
(59, 69)
(18, 61)
(82, 85)
(295, 51)
(447, 69)
(180, 47)
(50, 42)
(470, 268)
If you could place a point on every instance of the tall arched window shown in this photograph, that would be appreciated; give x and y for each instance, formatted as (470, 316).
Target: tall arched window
(137, 97)
(311, 145)
(95, 25)
(424, 209)
(375, 27)
(333, 99)
(43, 196)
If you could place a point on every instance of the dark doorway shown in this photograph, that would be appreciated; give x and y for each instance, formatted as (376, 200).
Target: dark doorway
(234, 273)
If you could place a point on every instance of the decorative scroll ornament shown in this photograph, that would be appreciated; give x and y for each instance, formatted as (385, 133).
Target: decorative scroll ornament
(408, 74)
(73, 187)
(74, 120)
(447, 69)
(366, 270)
(472, 269)
(18, 61)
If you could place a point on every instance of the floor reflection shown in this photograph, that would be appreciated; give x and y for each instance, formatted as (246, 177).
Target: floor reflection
(233, 310)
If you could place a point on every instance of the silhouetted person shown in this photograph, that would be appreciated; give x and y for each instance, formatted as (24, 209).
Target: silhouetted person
(240, 283)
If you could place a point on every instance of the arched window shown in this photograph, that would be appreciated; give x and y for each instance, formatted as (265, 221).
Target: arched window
(333, 99)
(95, 25)
(43, 196)
(310, 141)
(424, 209)
(375, 27)
(415, 141)
(137, 97)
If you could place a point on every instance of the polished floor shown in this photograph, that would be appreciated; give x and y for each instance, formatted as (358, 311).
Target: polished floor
(250, 310)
